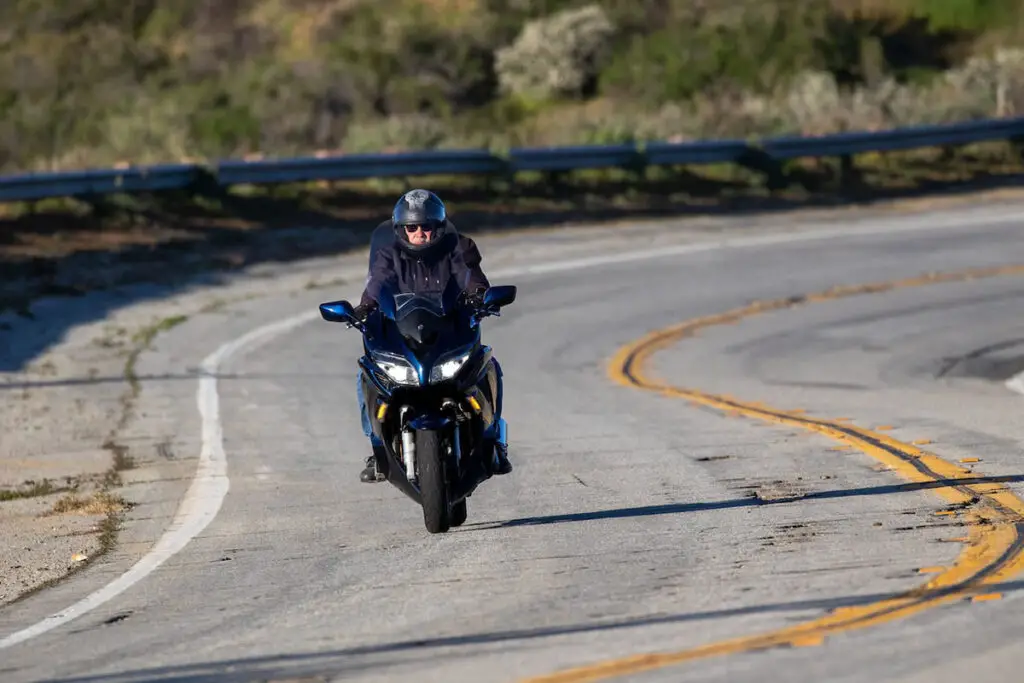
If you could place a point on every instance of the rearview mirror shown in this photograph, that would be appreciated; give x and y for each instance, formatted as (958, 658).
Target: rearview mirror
(338, 312)
(500, 295)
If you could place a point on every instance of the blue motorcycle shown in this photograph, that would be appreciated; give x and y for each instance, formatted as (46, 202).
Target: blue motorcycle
(434, 394)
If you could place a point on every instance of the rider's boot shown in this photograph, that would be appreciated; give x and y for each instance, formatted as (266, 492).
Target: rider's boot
(371, 474)
(502, 465)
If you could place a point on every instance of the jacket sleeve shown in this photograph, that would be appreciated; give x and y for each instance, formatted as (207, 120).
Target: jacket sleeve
(382, 270)
(467, 268)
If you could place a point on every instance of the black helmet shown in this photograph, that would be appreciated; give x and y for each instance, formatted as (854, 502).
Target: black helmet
(419, 208)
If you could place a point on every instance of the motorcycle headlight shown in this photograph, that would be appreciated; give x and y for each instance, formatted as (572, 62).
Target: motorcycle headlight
(395, 367)
(447, 368)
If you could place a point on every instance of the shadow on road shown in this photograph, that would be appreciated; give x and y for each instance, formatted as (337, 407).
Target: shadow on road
(752, 501)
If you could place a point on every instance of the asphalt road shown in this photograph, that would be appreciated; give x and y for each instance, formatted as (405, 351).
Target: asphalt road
(634, 522)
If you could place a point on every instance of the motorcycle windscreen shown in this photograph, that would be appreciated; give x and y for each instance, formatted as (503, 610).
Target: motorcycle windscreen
(394, 304)
(422, 326)
(423, 317)
(407, 304)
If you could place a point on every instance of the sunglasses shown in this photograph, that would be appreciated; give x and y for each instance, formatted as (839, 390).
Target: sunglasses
(413, 229)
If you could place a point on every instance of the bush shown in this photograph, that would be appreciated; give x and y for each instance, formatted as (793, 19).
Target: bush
(556, 56)
(682, 60)
(994, 84)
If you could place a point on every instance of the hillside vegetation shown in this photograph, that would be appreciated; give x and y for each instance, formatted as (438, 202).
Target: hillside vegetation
(92, 82)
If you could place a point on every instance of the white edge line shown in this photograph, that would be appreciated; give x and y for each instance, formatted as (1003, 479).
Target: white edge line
(1016, 383)
(210, 485)
(203, 499)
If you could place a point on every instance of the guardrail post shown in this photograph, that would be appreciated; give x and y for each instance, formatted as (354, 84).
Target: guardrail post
(848, 173)
(505, 174)
(555, 181)
(207, 184)
(503, 177)
(1017, 146)
(639, 165)
(760, 161)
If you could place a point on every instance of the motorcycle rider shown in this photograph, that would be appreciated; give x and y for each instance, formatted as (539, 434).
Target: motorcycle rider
(423, 254)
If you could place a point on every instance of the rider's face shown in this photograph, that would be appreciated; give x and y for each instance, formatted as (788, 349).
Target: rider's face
(417, 234)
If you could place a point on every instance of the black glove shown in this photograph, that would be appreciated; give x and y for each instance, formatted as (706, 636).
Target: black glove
(475, 298)
(363, 310)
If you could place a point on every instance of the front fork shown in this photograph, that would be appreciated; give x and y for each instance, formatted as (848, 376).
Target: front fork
(409, 440)
(408, 447)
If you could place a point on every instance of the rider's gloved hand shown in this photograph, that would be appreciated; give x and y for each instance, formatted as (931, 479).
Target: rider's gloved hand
(363, 310)
(475, 298)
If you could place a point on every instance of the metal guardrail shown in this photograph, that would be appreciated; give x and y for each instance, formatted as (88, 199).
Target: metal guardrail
(29, 186)
(764, 155)
(682, 153)
(847, 144)
(358, 166)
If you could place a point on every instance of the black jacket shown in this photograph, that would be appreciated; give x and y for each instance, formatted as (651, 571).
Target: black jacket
(458, 258)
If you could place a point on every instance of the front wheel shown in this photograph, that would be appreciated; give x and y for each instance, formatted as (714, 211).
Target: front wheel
(432, 481)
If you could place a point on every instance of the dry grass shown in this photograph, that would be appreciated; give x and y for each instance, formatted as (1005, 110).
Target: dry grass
(100, 503)
(38, 489)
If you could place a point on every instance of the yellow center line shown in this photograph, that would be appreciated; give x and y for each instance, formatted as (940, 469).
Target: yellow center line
(994, 548)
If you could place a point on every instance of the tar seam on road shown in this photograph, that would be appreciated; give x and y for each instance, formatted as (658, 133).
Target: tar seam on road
(994, 547)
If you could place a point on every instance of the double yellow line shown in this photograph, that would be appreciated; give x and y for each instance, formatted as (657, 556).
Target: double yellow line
(994, 547)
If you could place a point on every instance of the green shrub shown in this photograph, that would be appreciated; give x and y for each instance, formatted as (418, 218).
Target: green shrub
(755, 49)
(969, 15)
(557, 56)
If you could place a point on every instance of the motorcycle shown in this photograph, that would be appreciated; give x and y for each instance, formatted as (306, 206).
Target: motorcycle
(433, 392)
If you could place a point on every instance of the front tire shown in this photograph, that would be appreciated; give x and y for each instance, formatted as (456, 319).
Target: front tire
(432, 481)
